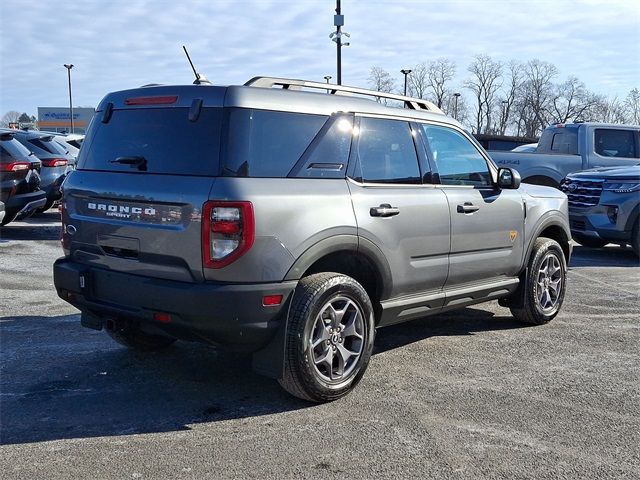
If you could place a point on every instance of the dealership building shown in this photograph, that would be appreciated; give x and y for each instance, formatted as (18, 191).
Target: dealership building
(57, 119)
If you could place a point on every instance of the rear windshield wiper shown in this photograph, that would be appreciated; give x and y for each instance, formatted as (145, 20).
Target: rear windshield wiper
(139, 162)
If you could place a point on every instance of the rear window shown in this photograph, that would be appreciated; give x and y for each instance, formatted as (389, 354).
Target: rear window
(164, 138)
(48, 145)
(13, 150)
(565, 142)
(263, 143)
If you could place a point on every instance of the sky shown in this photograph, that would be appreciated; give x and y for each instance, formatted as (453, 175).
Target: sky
(120, 44)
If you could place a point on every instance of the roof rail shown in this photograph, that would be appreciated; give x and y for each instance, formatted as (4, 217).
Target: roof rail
(291, 84)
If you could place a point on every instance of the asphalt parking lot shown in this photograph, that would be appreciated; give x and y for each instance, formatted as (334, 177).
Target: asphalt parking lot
(469, 394)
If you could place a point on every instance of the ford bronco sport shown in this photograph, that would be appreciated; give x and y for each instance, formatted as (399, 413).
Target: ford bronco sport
(292, 223)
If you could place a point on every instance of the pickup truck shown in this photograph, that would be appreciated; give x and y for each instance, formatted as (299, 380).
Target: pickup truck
(572, 147)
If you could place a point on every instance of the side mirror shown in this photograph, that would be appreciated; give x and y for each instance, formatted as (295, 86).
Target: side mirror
(508, 178)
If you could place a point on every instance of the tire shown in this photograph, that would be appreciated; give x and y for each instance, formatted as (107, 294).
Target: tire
(329, 340)
(635, 238)
(545, 286)
(135, 339)
(8, 218)
(590, 242)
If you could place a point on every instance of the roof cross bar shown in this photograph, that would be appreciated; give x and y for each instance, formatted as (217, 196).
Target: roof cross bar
(292, 84)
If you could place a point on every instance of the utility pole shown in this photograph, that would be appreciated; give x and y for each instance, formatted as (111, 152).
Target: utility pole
(338, 22)
(69, 67)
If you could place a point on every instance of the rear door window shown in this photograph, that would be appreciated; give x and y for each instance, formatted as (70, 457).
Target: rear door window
(386, 152)
(615, 143)
(164, 137)
(13, 150)
(264, 143)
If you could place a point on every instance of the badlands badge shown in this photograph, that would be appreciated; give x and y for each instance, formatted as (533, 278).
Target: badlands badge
(513, 235)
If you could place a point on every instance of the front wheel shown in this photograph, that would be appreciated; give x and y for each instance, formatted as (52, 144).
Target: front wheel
(329, 337)
(635, 238)
(543, 293)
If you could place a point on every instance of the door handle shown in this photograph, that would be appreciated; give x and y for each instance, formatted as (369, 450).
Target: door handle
(468, 207)
(384, 210)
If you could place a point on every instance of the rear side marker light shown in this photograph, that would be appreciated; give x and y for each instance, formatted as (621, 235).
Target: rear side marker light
(162, 317)
(165, 100)
(228, 231)
(54, 162)
(271, 300)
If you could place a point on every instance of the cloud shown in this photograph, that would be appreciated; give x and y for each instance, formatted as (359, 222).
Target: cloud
(121, 44)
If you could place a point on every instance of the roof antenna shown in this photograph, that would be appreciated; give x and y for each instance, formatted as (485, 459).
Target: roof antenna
(200, 79)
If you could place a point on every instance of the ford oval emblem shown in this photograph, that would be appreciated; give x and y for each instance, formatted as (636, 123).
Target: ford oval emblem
(572, 187)
(71, 230)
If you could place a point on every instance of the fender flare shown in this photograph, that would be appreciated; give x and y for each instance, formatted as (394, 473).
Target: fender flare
(550, 219)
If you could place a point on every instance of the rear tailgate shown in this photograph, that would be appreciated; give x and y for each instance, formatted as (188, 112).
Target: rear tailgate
(135, 202)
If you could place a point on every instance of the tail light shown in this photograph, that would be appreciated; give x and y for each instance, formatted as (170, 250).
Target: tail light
(15, 166)
(54, 162)
(228, 231)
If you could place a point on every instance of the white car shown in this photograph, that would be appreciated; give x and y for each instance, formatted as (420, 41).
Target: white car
(526, 148)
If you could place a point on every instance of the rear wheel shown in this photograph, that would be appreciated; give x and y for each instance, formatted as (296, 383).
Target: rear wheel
(329, 337)
(590, 242)
(543, 293)
(135, 339)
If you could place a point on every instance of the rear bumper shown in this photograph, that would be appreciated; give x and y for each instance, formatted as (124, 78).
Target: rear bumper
(228, 315)
(23, 204)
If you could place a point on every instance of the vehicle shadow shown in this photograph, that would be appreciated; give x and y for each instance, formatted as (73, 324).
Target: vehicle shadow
(78, 383)
(41, 226)
(610, 256)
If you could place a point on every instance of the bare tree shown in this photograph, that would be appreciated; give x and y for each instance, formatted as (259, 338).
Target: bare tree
(381, 81)
(508, 100)
(607, 110)
(439, 72)
(632, 107)
(417, 81)
(10, 117)
(572, 101)
(537, 95)
(484, 82)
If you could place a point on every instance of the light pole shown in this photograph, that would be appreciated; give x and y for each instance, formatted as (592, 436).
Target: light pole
(338, 22)
(405, 72)
(69, 67)
(327, 78)
(455, 105)
(503, 127)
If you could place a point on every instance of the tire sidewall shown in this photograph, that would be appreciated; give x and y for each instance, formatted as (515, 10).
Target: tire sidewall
(345, 287)
(549, 247)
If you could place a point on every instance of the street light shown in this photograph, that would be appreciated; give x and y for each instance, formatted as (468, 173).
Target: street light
(455, 105)
(69, 67)
(406, 72)
(327, 78)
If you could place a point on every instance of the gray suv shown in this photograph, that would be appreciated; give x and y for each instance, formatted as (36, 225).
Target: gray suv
(291, 221)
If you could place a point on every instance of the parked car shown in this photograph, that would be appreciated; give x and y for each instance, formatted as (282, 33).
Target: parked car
(55, 161)
(604, 205)
(292, 224)
(19, 179)
(71, 142)
(1, 212)
(567, 148)
(526, 148)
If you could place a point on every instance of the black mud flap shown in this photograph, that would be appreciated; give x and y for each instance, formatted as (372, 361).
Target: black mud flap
(270, 360)
(516, 299)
